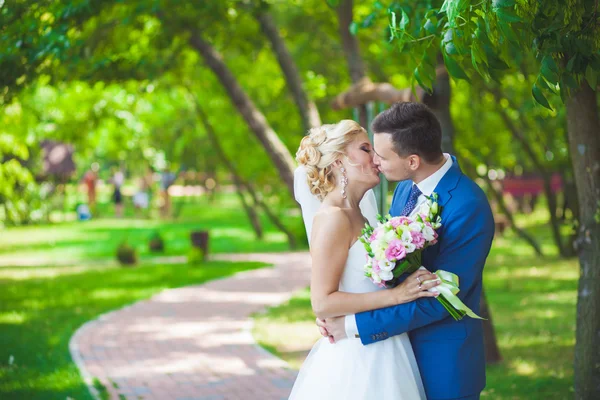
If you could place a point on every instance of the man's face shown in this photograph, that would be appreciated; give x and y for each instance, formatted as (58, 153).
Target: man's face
(390, 164)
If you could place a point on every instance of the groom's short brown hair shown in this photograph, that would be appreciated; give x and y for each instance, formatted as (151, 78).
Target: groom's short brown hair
(414, 129)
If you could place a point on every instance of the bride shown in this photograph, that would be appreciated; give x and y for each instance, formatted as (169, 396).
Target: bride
(332, 185)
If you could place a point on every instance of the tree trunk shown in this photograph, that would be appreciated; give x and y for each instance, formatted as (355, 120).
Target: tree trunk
(439, 102)
(541, 169)
(237, 180)
(257, 122)
(492, 351)
(584, 143)
(365, 91)
(276, 221)
(240, 182)
(252, 216)
(308, 110)
(356, 66)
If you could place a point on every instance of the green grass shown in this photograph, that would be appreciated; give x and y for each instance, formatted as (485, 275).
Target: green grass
(38, 317)
(54, 278)
(533, 308)
(96, 240)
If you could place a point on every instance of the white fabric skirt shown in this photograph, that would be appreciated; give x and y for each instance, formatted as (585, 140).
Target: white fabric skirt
(348, 370)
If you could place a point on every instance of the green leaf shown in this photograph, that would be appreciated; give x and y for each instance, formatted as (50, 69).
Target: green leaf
(450, 48)
(353, 28)
(506, 14)
(570, 64)
(508, 31)
(368, 21)
(503, 3)
(424, 81)
(444, 7)
(393, 24)
(544, 85)
(430, 26)
(454, 68)
(497, 63)
(549, 69)
(569, 81)
(592, 77)
(539, 97)
(404, 21)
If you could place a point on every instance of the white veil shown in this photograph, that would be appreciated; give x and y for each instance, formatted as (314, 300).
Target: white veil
(310, 203)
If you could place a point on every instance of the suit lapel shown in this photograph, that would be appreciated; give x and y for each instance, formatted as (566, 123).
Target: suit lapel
(448, 182)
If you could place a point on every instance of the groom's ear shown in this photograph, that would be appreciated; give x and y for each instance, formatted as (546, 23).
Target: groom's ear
(414, 162)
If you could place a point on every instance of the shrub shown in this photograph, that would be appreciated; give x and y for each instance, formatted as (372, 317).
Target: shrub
(126, 254)
(156, 243)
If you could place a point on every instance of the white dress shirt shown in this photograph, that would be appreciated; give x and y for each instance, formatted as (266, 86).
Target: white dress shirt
(426, 186)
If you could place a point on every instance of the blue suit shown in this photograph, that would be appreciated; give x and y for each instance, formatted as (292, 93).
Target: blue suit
(450, 353)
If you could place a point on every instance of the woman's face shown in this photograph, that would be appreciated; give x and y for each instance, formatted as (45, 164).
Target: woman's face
(359, 162)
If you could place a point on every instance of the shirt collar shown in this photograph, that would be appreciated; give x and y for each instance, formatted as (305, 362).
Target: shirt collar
(428, 185)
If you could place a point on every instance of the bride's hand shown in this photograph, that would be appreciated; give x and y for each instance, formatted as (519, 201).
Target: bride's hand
(416, 286)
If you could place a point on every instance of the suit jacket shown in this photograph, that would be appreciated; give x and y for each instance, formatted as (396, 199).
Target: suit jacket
(450, 353)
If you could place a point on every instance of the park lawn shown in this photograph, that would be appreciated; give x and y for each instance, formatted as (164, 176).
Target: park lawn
(96, 240)
(533, 304)
(38, 316)
(54, 278)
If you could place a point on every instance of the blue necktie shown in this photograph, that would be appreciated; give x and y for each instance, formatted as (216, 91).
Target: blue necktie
(412, 201)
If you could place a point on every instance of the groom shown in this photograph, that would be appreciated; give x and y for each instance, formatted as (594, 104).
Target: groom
(450, 354)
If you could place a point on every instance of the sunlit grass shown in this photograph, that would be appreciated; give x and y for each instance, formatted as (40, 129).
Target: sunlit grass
(37, 338)
(96, 240)
(532, 300)
(54, 278)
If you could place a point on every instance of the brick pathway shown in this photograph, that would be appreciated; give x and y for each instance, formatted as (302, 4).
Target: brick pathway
(193, 342)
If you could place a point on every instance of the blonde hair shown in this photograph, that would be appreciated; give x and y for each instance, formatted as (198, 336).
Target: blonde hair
(320, 149)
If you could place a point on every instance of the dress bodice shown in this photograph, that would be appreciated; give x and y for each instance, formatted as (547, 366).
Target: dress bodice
(353, 278)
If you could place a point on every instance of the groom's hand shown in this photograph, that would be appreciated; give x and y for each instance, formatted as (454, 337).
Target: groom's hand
(333, 328)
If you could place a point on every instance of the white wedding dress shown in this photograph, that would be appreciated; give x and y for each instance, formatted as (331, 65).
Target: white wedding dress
(349, 370)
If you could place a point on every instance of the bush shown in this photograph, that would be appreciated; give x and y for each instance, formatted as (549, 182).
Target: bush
(126, 254)
(195, 256)
(156, 244)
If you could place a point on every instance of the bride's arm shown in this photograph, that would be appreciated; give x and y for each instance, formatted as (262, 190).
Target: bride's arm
(330, 244)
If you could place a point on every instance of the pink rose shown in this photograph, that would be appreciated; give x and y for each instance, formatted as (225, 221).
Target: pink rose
(417, 239)
(396, 222)
(435, 237)
(395, 251)
(375, 235)
(376, 266)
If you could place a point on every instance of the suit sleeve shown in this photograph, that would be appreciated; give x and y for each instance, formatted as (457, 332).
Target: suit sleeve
(464, 247)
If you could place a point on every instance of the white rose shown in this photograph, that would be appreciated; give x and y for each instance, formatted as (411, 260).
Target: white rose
(415, 227)
(375, 277)
(409, 247)
(424, 208)
(428, 233)
(389, 236)
(386, 275)
(406, 237)
(386, 266)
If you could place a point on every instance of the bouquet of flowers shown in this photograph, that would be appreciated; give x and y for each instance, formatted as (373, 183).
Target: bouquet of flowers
(395, 247)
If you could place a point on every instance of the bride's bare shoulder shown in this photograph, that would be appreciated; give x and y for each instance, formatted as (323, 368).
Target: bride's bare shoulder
(330, 222)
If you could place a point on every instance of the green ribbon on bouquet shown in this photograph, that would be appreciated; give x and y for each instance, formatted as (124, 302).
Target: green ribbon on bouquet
(448, 288)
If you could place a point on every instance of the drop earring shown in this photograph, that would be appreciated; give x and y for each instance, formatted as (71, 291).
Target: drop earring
(344, 182)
